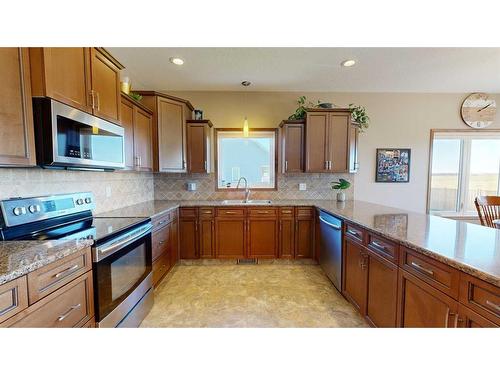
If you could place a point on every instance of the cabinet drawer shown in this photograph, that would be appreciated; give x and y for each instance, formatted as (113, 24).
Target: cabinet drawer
(207, 211)
(355, 233)
(481, 297)
(13, 298)
(160, 221)
(286, 212)
(160, 241)
(47, 279)
(383, 247)
(160, 268)
(437, 274)
(230, 212)
(70, 306)
(263, 212)
(305, 212)
(188, 212)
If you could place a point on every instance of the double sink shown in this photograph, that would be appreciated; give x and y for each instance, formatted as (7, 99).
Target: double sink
(231, 202)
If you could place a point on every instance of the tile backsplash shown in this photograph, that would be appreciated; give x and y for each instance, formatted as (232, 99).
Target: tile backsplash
(123, 188)
(173, 187)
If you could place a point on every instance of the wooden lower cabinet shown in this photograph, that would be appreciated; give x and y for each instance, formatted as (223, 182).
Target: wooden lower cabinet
(230, 238)
(421, 305)
(304, 233)
(354, 285)
(468, 318)
(207, 238)
(286, 238)
(263, 238)
(160, 267)
(13, 297)
(188, 236)
(381, 303)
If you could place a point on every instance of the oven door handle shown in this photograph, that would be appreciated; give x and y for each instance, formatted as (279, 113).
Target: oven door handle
(106, 250)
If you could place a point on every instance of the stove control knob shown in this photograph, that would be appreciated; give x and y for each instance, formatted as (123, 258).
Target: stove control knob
(88, 200)
(18, 211)
(34, 208)
(79, 201)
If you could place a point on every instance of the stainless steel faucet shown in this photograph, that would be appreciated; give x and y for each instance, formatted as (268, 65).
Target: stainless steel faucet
(247, 190)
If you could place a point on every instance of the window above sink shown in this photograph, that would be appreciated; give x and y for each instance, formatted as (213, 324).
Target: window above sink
(253, 157)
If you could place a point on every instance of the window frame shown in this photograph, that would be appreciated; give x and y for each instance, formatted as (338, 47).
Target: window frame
(464, 168)
(250, 130)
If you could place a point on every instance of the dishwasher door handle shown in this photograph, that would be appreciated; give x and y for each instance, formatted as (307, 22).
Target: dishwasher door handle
(336, 227)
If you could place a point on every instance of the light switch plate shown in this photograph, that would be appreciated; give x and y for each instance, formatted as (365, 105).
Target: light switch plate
(302, 187)
(191, 186)
(108, 191)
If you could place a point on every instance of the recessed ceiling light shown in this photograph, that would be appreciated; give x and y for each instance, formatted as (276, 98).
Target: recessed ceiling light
(176, 60)
(348, 63)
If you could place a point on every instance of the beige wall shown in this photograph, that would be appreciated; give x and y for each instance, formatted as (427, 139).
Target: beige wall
(397, 120)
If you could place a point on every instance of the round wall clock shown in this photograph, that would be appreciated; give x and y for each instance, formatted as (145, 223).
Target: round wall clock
(479, 110)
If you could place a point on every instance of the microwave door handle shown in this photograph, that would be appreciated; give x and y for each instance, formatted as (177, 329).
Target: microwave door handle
(104, 251)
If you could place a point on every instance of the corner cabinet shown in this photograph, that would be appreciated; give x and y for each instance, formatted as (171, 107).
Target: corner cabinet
(82, 77)
(199, 135)
(330, 141)
(137, 121)
(169, 138)
(17, 146)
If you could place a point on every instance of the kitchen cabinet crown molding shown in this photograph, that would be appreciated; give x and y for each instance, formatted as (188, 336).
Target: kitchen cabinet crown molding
(110, 57)
(208, 122)
(167, 96)
(136, 103)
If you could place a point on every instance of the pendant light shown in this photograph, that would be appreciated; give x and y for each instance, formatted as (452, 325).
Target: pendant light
(246, 129)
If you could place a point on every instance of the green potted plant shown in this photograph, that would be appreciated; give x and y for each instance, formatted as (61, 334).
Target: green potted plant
(359, 117)
(300, 112)
(340, 186)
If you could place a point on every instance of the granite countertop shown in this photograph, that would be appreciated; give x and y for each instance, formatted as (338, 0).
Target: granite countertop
(17, 258)
(471, 248)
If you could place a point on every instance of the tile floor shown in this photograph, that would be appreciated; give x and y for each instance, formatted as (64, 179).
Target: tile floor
(264, 295)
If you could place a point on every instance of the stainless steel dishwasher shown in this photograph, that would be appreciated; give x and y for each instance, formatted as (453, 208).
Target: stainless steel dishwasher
(330, 257)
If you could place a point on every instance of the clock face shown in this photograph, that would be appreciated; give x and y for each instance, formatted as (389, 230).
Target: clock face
(479, 110)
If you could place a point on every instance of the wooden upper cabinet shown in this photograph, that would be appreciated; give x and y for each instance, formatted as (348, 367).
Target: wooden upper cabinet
(62, 74)
(81, 77)
(331, 141)
(16, 115)
(169, 130)
(127, 123)
(293, 146)
(198, 145)
(143, 129)
(316, 142)
(105, 86)
(137, 121)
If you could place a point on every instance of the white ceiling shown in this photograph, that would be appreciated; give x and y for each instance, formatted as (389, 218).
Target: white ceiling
(315, 69)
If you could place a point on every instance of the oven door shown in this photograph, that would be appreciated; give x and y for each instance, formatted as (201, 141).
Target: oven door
(121, 267)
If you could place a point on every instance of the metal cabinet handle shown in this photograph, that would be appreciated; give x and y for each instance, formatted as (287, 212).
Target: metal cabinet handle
(494, 305)
(67, 313)
(205, 165)
(92, 99)
(230, 212)
(326, 164)
(329, 164)
(162, 222)
(286, 212)
(98, 101)
(353, 233)
(66, 271)
(446, 317)
(286, 165)
(206, 212)
(423, 269)
(161, 242)
(263, 212)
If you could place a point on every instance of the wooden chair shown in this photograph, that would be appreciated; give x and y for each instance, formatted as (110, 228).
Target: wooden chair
(488, 209)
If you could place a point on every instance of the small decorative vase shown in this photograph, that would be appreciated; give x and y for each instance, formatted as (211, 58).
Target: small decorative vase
(340, 196)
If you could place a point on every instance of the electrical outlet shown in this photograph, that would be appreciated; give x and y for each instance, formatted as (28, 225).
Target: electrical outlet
(302, 187)
(108, 191)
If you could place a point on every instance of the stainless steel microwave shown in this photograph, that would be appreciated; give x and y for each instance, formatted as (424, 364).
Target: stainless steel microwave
(69, 138)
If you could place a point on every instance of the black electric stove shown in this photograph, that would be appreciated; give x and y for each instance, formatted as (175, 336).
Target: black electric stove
(121, 254)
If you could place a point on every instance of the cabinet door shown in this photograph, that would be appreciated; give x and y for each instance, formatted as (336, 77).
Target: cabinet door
(197, 148)
(17, 146)
(171, 136)
(293, 148)
(468, 318)
(230, 238)
(62, 74)
(353, 149)
(127, 122)
(263, 238)
(421, 305)
(188, 236)
(106, 87)
(207, 238)
(174, 242)
(354, 269)
(338, 141)
(143, 128)
(304, 232)
(287, 238)
(316, 142)
(381, 307)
